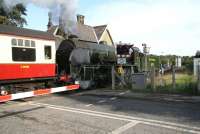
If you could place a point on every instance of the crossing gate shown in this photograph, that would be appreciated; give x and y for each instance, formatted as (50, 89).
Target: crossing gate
(38, 92)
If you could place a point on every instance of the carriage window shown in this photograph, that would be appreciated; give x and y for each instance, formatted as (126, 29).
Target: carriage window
(20, 42)
(32, 43)
(14, 42)
(23, 54)
(47, 52)
(27, 43)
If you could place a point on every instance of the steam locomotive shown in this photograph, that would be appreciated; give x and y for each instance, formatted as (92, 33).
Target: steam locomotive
(82, 60)
(30, 57)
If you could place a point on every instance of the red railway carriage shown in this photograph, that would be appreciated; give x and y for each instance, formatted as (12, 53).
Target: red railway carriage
(26, 54)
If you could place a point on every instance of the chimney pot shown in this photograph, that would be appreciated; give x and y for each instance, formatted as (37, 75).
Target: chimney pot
(80, 19)
(50, 24)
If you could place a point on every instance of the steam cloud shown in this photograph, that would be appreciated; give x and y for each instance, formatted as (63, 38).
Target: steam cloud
(63, 10)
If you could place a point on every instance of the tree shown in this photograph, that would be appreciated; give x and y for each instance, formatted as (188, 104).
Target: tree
(197, 54)
(187, 62)
(13, 16)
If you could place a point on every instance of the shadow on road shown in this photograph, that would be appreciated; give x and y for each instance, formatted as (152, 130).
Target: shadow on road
(187, 112)
(7, 113)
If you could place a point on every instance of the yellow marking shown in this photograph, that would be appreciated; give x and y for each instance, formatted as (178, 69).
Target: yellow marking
(25, 66)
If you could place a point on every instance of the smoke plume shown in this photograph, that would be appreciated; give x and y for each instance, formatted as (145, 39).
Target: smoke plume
(62, 10)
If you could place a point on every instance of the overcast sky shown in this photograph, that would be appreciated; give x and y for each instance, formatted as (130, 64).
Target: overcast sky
(167, 26)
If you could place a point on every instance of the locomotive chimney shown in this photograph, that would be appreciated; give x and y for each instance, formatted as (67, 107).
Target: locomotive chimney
(80, 19)
(60, 23)
(50, 24)
(61, 30)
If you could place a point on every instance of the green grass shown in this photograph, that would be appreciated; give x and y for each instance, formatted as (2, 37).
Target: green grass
(185, 84)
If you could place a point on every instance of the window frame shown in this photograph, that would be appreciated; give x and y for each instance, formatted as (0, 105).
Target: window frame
(46, 56)
(12, 42)
(33, 44)
(27, 41)
(20, 42)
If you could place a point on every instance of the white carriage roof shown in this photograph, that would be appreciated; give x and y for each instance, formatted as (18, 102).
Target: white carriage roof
(18, 31)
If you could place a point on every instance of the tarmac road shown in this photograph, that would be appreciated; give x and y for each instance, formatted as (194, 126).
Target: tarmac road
(100, 112)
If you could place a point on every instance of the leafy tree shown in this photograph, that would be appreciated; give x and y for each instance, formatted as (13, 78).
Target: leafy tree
(197, 54)
(187, 62)
(13, 16)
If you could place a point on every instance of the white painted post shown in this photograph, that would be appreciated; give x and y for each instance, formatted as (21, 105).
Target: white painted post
(146, 63)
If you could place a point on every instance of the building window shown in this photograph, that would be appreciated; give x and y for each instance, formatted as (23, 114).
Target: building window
(14, 42)
(32, 43)
(47, 52)
(27, 43)
(20, 42)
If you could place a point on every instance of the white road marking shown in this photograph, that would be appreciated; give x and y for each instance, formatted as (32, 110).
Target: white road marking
(113, 98)
(88, 105)
(125, 127)
(122, 93)
(80, 112)
(175, 126)
(127, 91)
(101, 101)
(172, 127)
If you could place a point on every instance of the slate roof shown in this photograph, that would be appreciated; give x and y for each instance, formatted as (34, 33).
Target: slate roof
(84, 32)
(17, 31)
(52, 29)
(99, 30)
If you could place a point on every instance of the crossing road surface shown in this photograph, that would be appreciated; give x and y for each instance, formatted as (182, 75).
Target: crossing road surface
(89, 113)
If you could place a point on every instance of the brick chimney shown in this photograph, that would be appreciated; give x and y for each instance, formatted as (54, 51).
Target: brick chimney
(80, 19)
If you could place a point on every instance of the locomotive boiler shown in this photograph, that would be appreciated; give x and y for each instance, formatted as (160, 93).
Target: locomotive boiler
(75, 53)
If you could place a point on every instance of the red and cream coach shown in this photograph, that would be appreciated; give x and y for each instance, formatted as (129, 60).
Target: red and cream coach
(26, 56)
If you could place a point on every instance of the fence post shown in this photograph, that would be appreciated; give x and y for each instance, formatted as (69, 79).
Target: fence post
(173, 77)
(132, 72)
(84, 70)
(153, 78)
(113, 77)
(198, 83)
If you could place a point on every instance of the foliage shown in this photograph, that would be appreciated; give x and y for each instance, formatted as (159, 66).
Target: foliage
(197, 54)
(13, 16)
(187, 62)
(154, 59)
(162, 59)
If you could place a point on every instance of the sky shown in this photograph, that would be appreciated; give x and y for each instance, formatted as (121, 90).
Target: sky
(166, 26)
